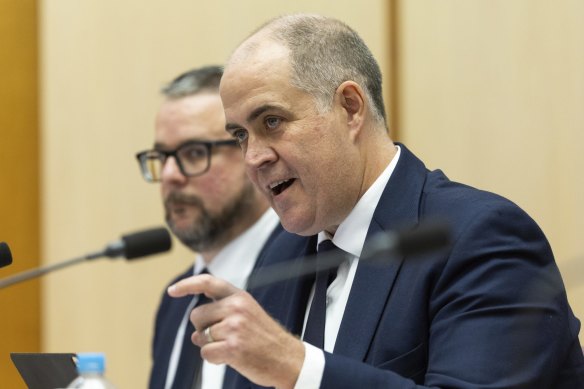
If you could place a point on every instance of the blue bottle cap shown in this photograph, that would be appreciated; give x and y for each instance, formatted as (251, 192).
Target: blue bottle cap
(90, 362)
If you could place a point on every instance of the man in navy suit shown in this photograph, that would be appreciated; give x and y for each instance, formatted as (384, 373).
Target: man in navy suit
(302, 96)
(210, 206)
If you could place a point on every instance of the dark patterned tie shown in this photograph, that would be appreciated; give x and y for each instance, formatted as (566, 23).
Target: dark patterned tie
(315, 324)
(190, 361)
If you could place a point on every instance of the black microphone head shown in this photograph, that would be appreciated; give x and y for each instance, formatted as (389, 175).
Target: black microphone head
(148, 242)
(427, 237)
(5, 255)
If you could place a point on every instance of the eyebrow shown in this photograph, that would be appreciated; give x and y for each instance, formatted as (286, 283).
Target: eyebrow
(253, 115)
(162, 146)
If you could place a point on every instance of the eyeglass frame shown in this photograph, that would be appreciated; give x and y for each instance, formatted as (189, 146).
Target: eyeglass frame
(209, 144)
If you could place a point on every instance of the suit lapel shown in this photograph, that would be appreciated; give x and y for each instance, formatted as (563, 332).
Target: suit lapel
(286, 300)
(297, 292)
(168, 320)
(370, 290)
(397, 208)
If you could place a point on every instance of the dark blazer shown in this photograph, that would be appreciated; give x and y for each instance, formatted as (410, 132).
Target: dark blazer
(489, 312)
(168, 319)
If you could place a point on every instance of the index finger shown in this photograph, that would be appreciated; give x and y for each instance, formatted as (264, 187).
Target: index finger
(212, 287)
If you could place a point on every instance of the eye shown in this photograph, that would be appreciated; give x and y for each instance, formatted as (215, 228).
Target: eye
(272, 122)
(193, 152)
(240, 135)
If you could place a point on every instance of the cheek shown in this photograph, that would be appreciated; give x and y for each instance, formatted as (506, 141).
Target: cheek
(165, 189)
(225, 166)
(332, 184)
(251, 174)
(223, 181)
(214, 184)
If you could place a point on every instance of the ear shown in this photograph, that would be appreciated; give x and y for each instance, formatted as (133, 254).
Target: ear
(352, 100)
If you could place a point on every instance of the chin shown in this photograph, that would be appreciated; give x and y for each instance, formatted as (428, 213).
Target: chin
(180, 224)
(298, 227)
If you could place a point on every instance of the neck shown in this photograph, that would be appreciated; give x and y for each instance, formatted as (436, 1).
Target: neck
(377, 154)
(209, 255)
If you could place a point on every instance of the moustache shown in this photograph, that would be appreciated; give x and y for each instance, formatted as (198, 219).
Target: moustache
(181, 198)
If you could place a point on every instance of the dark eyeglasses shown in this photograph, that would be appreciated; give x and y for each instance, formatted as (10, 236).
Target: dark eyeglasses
(193, 158)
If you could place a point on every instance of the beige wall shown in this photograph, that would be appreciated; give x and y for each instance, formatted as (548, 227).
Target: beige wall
(492, 92)
(19, 182)
(103, 63)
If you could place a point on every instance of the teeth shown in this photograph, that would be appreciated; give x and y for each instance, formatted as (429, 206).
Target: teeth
(275, 184)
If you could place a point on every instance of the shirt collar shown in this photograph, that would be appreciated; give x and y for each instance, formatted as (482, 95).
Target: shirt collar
(351, 233)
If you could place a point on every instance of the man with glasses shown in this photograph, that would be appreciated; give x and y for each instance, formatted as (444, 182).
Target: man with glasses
(210, 206)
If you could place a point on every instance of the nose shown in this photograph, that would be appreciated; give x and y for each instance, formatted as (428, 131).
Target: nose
(171, 172)
(258, 153)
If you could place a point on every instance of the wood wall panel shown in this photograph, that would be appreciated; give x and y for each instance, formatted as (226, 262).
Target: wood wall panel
(19, 186)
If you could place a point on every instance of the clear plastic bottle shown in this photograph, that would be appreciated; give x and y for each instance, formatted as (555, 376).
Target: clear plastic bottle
(91, 368)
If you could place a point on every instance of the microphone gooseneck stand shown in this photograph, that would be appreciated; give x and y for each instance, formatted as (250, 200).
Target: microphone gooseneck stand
(131, 246)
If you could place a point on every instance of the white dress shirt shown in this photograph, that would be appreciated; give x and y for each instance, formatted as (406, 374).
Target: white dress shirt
(233, 264)
(350, 237)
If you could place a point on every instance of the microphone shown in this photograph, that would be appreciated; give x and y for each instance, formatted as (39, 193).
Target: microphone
(5, 255)
(137, 245)
(131, 246)
(425, 238)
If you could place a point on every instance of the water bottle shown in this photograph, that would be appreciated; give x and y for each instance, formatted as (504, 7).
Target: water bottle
(91, 368)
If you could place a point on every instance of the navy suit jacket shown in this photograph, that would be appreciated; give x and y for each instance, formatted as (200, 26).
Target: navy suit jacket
(168, 319)
(489, 312)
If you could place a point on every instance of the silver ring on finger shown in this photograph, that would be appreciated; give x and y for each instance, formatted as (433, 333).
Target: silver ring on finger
(208, 335)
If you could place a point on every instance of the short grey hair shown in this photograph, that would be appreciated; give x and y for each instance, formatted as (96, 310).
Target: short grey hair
(206, 78)
(324, 53)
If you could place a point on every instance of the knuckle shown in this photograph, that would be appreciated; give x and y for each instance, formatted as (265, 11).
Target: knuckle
(235, 305)
(240, 302)
(233, 346)
(235, 324)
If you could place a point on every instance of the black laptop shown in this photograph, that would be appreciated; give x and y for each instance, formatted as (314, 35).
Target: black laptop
(45, 371)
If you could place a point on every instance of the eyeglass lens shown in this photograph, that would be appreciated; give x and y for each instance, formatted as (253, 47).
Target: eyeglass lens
(192, 159)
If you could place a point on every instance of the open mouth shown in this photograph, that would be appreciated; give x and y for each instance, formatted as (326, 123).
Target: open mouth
(280, 186)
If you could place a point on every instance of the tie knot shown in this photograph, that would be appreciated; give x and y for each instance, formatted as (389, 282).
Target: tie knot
(326, 245)
(328, 266)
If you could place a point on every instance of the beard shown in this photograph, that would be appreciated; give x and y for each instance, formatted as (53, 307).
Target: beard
(210, 230)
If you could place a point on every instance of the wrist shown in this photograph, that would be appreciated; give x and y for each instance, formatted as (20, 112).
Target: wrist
(292, 364)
